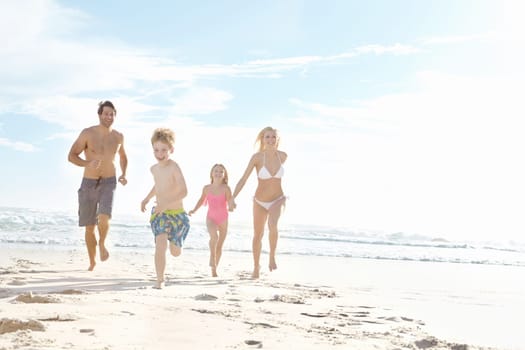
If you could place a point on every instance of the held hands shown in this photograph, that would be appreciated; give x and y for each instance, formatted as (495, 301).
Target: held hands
(231, 205)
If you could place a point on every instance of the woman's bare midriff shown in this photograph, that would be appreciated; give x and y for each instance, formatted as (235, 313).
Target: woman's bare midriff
(269, 190)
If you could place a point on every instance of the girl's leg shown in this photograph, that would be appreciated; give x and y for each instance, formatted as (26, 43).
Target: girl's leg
(161, 245)
(259, 218)
(274, 213)
(223, 231)
(212, 231)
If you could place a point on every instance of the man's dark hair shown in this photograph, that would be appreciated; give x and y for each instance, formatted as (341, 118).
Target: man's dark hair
(103, 104)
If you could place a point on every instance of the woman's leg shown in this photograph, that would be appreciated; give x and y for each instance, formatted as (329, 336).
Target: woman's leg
(274, 213)
(259, 218)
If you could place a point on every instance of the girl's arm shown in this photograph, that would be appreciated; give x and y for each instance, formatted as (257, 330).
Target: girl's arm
(229, 198)
(199, 202)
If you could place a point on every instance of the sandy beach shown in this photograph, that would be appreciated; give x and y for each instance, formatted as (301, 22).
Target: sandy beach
(49, 301)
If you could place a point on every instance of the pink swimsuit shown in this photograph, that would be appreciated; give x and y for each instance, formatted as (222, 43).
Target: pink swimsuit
(217, 210)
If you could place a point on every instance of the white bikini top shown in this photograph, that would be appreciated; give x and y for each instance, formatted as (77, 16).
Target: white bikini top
(264, 173)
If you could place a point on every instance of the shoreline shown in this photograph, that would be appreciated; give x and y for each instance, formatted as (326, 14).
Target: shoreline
(308, 302)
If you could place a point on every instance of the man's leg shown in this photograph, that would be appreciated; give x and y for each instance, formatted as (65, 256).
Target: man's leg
(103, 228)
(91, 244)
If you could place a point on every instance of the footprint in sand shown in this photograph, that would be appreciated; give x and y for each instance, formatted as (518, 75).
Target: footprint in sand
(291, 299)
(9, 325)
(71, 291)
(87, 330)
(254, 343)
(41, 299)
(206, 297)
(17, 282)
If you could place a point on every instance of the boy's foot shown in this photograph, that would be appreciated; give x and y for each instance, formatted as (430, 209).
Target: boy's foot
(158, 285)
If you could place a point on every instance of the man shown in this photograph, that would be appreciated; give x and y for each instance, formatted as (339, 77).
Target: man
(100, 144)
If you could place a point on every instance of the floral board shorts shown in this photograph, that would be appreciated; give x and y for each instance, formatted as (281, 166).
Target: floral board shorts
(175, 223)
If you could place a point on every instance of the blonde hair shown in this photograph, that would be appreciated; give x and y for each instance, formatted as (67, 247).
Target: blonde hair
(163, 135)
(225, 178)
(259, 139)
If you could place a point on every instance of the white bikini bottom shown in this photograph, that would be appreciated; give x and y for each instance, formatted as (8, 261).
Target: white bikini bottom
(267, 205)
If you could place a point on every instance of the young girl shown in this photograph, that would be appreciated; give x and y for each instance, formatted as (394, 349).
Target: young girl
(216, 195)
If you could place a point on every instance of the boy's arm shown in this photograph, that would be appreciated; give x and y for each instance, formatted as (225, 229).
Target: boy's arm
(147, 199)
(182, 190)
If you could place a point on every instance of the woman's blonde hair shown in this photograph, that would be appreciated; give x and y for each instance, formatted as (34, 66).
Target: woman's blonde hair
(225, 178)
(259, 139)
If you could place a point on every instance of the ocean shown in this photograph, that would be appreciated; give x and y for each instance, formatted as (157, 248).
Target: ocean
(55, 230)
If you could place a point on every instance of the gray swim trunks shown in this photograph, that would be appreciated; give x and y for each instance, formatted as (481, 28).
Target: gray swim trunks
(95, 196)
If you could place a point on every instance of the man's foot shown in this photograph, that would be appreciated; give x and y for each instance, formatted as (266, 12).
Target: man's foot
(255, 273)
(158, 285)
(273, 265)
(104, 254)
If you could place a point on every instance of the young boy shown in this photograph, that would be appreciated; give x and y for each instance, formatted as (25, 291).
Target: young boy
(169, 221)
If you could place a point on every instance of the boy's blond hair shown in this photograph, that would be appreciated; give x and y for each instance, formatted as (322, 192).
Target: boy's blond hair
(163, 135)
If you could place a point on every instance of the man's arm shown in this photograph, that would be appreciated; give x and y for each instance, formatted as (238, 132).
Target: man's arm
(77, 148)
(123, 162)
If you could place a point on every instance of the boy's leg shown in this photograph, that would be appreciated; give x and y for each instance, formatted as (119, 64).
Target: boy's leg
(161, 244)
(175, 250)
(179, 231)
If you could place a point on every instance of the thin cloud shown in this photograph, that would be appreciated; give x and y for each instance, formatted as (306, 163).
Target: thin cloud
(456, 39)
(201, 101)
(95, 65)
(17, 145)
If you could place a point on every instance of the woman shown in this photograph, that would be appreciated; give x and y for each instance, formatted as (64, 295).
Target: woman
(269, 198)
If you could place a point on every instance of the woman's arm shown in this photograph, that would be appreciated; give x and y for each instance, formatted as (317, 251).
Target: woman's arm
(244, 177)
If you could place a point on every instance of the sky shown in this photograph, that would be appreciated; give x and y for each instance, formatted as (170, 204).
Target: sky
(397, 116)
